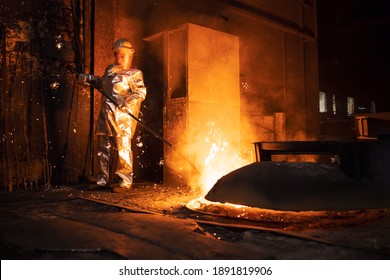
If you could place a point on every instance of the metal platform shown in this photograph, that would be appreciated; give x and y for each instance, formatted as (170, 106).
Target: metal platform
(349, 152)
(359, 159)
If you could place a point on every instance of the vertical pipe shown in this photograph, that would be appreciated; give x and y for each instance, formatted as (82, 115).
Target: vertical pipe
(25, 128)
(284, 72)
(47, 170)
(86, 21)
(88, 36)
(4, 103)
(12, 118)
(7, 134)
(92, 96)
(92, 112)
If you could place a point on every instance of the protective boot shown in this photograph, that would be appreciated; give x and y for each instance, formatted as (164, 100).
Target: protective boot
(125, 162)
(103, 154)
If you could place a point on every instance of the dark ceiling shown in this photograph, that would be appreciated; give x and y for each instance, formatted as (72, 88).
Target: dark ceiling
(354, 44)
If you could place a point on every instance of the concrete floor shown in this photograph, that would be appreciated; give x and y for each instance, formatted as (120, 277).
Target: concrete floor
(152, 222)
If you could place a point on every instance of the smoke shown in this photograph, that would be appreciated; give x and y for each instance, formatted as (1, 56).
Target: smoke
(271, 104)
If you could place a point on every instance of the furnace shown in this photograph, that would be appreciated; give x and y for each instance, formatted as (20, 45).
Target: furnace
(201, 99)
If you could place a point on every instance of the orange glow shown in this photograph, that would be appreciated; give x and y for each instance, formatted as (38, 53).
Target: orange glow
(203, 112)
(217, 157)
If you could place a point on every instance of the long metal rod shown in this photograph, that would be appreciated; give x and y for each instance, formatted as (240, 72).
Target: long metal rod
(155, 134)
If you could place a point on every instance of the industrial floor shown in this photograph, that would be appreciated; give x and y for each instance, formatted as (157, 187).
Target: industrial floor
(152, 222)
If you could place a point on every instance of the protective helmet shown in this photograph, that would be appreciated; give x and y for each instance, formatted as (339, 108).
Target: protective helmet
(123, 45)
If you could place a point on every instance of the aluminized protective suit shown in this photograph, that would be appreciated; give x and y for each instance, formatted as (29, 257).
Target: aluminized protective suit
(126, 86)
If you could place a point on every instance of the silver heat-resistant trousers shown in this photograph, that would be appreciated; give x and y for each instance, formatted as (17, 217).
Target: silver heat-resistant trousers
(124, 165)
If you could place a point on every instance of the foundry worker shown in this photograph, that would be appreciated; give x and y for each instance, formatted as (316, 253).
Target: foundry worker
(115, 127)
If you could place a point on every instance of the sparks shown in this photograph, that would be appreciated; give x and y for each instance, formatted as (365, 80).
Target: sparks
(55, 85)
(59, 44)
(140, 144)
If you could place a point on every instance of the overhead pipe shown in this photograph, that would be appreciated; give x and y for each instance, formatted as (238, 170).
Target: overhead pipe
(270, 19)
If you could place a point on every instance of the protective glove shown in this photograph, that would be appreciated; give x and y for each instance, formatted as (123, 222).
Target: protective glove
(84, 78)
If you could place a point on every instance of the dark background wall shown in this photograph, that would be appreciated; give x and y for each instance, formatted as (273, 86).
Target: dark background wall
(354, 53)
(354, 60)
(42, 107)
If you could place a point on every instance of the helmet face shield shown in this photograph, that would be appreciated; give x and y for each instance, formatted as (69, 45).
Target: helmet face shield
(124, 53)
(124, 58)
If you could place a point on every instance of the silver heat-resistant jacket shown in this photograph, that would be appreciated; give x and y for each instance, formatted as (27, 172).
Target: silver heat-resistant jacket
(127, 88)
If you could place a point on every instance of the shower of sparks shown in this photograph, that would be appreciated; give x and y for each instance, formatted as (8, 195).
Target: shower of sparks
(140, 145)
(59, 44)
(245, 86)
(55, 85)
